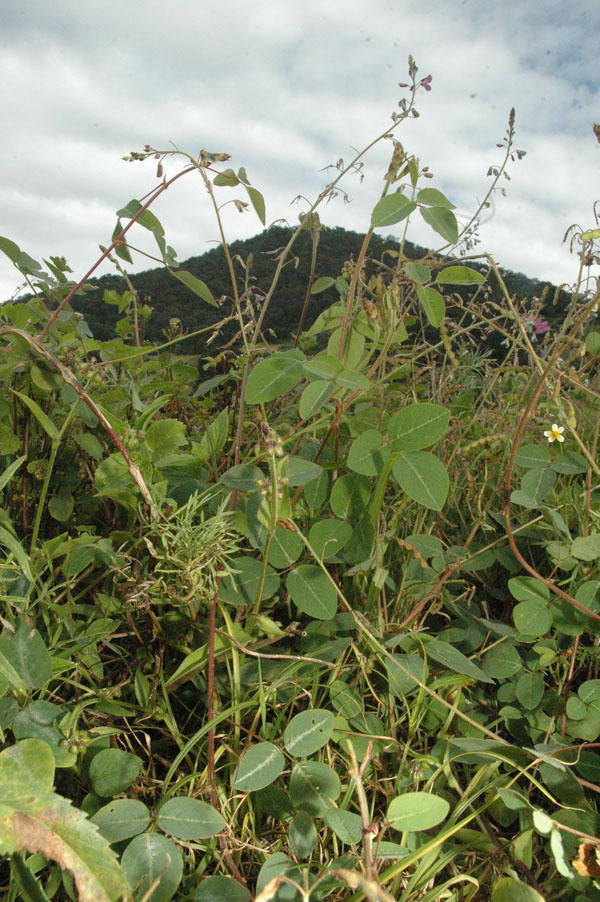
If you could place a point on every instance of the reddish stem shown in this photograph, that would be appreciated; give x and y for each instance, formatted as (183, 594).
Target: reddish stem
(568, 683)
(212, 777)
(118, 239)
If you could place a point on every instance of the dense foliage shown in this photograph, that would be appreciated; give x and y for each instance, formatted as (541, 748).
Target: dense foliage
(323, 623)
(163, 299)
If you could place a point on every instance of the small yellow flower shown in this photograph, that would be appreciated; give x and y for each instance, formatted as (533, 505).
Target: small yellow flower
(555, 434)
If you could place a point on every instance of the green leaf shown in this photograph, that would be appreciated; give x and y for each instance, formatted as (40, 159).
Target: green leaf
(508, 889)
(28, 266)
(586, 548)
(226, 179)
(368, 453)
(61, 506)
(45, 377)
(501, 662)
(219, 888)
(273, 377)
(558, 851)
(354, 347)
(88, 443)
(459, 275)
(360, 545)
(163, 437)
(308, 731)
(592, 343)
(189, 819)
(527, 588)
(10, 471)
(442, 221)
(10, 675)
(312, 592)
(423, 477)
(243, 477)
(346, 825)
(44, 420)
(427, 546)
(241, 587)
(322, 284)
(121, 249)
(559, 522)
(537, 483)
(112, 771)
(26, 652)
(26, 769)
(37, 721)
(9, 442)
(345, 700)
(532, 618)
(78, 558)
(323, 366)
(258, 202)
(530, 690)
(17, 551)
(400, 683)
(533, 456)
(302, 835)
(214, 438)
(121, 819)
(27, 881)
(417, 426)
(352, 380)
(434, 198)
(278, 865)
(418, 272)
(328, 537)
(416, 811)
(391, 209)
(148, 220)
(454, 659)
(259, 766)
(317, 490)
(433, 304)
(34, 819)
(588, 594)
(314, 396)
(542, 822)
(589, 691)
(152, 860)
(313, 787)
(575, 708)
(327, 320)
(12, 250)
(350, 496)
(198, 287)
(387, 850)
(285, 548)
(301, 471)
(570, 462)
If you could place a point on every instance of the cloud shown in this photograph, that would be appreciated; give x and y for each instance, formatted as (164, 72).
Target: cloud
(288, 89)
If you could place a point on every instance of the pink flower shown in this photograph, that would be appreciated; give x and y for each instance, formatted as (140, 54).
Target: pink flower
(541, 326)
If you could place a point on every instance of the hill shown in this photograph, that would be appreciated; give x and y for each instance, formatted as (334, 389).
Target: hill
(255, 260)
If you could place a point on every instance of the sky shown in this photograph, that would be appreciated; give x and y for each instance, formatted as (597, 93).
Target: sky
(288, 88)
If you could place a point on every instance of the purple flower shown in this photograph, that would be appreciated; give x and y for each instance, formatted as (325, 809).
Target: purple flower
(541, 326)
(426, 83)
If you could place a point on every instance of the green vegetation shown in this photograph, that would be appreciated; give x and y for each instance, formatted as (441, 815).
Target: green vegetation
(323, 623)
(162, 299)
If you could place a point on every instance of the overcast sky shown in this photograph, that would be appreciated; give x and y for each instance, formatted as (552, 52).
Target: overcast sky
(287, 87)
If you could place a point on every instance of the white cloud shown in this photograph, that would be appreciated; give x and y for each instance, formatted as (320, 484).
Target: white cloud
(287, 89)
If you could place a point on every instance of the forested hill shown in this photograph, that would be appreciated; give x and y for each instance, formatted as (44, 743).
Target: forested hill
(170, 299)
